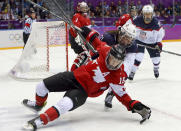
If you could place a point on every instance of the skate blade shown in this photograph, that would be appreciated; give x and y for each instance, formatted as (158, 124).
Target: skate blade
(28, 127)
(107, 109)
(142, 121)
(34, 111)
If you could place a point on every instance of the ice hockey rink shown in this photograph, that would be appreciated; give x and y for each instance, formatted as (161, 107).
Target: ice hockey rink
(162, 95)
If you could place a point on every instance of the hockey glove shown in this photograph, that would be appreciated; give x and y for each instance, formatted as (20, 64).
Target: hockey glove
(81, 59)
(89, 34)
(138, 107)
(159, 46)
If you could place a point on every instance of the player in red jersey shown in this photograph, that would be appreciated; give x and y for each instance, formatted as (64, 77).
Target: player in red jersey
(124, 18)
(89, 80)
(79, 19)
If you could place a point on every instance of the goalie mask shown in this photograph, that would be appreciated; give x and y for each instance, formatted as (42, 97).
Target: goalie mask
(82, 7)
(147, 12)
(115, 57)
(126, 34)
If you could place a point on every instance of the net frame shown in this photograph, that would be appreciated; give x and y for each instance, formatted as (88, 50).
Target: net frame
(13, 71)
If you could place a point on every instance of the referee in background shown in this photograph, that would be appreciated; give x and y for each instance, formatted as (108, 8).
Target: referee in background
(28, 26)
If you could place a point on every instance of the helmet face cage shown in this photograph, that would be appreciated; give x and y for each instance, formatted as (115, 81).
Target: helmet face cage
(124, 35)
(82, 7)
(147, 17)
(115, 57)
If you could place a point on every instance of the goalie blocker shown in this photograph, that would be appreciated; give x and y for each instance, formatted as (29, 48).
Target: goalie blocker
(87, 81)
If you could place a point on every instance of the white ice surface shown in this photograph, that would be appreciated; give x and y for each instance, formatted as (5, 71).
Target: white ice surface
(163, 95)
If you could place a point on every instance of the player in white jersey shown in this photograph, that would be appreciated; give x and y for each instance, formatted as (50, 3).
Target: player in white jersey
(149, 34)
(111, 38)
(28, 26)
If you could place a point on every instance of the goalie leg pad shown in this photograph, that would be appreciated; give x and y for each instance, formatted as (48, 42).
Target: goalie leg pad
(75, 46)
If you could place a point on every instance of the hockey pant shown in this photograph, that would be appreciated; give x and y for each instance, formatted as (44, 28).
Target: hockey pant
(74, 97)
(154, 55)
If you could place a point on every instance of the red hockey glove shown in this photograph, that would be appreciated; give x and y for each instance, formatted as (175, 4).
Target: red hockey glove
(159, 46)
(138, 107)
(81, 59)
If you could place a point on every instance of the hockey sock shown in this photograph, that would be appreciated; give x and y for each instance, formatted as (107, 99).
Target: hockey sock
(41, 93)
(49, 115)
(41, 100)
(156, 62)
(64, 105)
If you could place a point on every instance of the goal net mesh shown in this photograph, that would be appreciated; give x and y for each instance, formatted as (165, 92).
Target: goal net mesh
(45, 53)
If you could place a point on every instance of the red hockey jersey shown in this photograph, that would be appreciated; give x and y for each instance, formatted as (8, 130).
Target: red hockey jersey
(123, 19)
(79, 20)
(95, 78)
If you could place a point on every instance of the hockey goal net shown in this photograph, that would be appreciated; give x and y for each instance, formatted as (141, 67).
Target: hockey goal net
(45, 53)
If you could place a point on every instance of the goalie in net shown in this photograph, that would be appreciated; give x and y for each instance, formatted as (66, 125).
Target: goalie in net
(45, 53)
(79, 19)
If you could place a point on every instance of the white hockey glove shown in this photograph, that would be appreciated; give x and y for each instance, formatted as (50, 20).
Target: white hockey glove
(138, 107)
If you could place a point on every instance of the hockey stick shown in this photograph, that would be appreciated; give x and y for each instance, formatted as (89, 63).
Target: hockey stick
(44, 9)
(67, 20)
(169, 52)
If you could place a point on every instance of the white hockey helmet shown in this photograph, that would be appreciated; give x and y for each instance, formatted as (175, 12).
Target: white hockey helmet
(127, 34)
(147, 9)
(82, 7)
(147, 12)
(129, 29)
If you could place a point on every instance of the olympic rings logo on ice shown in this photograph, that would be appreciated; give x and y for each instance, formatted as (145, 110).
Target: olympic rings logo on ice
(15, 37)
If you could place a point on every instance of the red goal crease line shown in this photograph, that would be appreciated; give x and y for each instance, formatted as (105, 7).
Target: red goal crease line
(21, 47)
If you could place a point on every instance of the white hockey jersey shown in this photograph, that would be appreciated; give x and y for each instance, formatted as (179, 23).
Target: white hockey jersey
(148, 33)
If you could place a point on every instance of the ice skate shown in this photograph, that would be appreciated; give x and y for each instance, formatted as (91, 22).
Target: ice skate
(156, 73)
(108, 100)
(131, 76)
(32, 105)
(33, 124)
